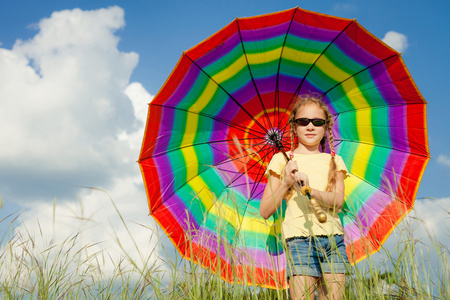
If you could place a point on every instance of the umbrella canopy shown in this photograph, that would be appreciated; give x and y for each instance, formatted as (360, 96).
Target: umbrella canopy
(205, 150)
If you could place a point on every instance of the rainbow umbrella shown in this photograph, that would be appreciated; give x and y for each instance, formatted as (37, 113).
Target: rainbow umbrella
(205, 147)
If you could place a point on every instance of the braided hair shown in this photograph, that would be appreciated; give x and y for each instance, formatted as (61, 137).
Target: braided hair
(312, 99)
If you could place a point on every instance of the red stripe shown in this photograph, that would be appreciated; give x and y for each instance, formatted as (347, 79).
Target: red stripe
(151, 131)
(319, 20)
(378, 232)
(368, 41)
(172, 228)
(267, 20)
(173, 81)
(212, 42)
(239, 274)
(410, 178)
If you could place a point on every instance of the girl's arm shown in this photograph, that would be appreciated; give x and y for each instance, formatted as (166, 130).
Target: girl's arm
(334, 199)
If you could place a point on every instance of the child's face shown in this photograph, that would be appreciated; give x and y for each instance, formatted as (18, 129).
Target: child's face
(310, 135)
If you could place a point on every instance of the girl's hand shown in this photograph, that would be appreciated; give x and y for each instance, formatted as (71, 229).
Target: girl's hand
(290, 170)
(293, 175)
(302, 178)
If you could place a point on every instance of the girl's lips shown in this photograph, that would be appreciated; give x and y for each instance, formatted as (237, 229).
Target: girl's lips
(310, 135)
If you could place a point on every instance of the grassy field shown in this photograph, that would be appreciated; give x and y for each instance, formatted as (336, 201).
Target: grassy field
(72, 269)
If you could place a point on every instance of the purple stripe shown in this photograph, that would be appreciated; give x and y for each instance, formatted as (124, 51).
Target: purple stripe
(313, 33)
(181, 213)
(242, 256)
(267, 84)
(398, 128)
(384, 84)
(219, 51)
(244, 93)
(227, 113)
(355, 51)
(332, 110)
(265, 33)
(236, 179)
(308, 87)
(183, 87)
(367, 215)
(165, 175)
(393, 169)
(289, 84)
(220, 150)
(165, 130)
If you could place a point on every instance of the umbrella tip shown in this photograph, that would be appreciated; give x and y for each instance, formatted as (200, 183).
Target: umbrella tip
(274, 136)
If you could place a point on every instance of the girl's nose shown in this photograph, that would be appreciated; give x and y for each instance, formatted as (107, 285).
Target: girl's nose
(310, 126)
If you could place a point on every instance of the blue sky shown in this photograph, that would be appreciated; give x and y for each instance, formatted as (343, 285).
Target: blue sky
(158, 31)
(68, 127)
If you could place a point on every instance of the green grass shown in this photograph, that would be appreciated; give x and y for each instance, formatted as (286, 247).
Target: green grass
(31, 268)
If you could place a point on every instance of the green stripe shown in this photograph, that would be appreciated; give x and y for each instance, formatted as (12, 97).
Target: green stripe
(264, 45)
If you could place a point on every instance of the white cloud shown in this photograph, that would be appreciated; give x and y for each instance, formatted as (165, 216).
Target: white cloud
(396, 40)
(103, 242)
(140, 99)
(431, 216)
(345, 7)
(64, 105)
(443, 160)
(71, 117)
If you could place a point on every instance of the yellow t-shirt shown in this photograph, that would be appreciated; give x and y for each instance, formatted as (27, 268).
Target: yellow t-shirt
(300, 219)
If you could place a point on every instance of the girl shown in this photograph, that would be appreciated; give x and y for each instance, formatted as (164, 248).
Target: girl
(316, 250)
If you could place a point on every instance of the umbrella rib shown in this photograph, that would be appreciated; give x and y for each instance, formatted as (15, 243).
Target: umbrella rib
(256, 134)
(319, 56)
(251, 74)
(374, 186)
(373, 144)
(257, 181)
(378, 106)
(225, 160)
(277, 86)
(187, 181)
(193, 145)
(260, 173)
(297, 91)
(240, 174)
(362, 70)
(225, 91)
(199, 173)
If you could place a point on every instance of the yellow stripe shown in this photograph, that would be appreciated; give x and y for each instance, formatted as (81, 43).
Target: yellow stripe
(189, 154)
(355, 95)
(361, 160)
(364, 127)
(258, 225)
(299, 56)
(204, 194)
(231, 71)
(227, 213)
(248, 223)
(263, 57)
(331, 70)
(351, 184)
(363, 113)
(204, 99)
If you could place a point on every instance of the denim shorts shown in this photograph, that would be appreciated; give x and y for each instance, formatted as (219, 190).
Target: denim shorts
(314, 255)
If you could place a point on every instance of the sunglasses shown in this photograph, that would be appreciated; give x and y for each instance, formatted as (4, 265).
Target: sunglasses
(305, 121)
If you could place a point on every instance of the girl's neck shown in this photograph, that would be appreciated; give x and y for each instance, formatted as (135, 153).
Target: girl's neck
(302, 149)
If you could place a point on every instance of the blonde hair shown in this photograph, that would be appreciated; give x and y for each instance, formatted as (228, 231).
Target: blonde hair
(312, 99)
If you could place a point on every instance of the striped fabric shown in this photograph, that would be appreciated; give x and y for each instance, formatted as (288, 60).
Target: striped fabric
(204, 152)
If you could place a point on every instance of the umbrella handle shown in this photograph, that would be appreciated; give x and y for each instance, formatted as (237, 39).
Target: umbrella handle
(306, 190)
(320, 213)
